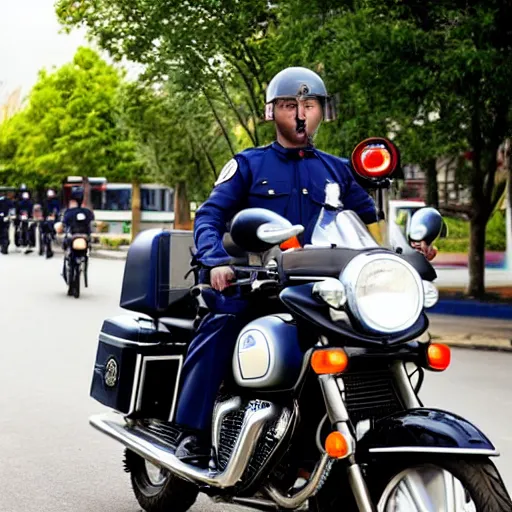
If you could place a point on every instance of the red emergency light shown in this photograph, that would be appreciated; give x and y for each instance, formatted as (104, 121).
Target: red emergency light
(375, 158)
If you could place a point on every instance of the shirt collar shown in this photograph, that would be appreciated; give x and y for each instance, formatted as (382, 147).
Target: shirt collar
(294, 153)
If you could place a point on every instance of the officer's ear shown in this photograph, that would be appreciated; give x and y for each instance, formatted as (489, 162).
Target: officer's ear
(269, 111)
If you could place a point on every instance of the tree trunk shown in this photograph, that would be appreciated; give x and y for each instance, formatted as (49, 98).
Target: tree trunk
(476, 261)
(136, 214)
(181, 207)
(432, 186)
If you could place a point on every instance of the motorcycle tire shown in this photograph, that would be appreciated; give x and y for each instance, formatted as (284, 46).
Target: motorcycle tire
(86, 275)
(70, 278)
(76, 282)
(479, 477)
(172, 494)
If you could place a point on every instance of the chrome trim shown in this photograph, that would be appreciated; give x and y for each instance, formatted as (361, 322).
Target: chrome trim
(360, 489)
(278, 231)
(221, 410)
(430, 449)
(145, 360)
(120, 341)
(300, 497)
(256, 503)
(405, 389)
(307, 278)
(336, 409)
(137, 440)
(136, 380)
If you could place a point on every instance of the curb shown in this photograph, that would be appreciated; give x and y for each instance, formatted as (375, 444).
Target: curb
(472, 308)
(475, 342)
(109, 255)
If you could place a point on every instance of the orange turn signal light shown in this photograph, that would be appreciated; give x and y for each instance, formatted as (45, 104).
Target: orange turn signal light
(336, 445)
(439, 356)
(291, 243)
(329, 361)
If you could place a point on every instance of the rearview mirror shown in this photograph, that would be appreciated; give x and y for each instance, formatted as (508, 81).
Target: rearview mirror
(426, 225)
(258, 230)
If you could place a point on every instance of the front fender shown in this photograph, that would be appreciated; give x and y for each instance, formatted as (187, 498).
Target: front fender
(424, 431)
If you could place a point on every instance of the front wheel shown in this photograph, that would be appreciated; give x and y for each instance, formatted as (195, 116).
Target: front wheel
(76, 280)
(438, 485)
(158, 490)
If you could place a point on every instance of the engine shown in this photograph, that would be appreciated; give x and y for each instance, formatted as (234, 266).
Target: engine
(229, 417)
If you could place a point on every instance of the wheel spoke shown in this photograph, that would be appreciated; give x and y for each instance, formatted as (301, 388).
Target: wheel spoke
(425, 489)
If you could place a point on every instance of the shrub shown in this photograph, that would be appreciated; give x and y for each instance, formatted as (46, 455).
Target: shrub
(458, 235)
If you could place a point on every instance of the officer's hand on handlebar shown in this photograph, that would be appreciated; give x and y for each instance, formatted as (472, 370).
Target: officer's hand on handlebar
(220, 277)
(428, 251)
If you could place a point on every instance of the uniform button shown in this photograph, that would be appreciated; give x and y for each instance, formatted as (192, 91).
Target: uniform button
(305, 191)
(271, 192)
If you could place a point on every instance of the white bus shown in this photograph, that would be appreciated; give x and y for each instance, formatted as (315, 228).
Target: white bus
(113, 203)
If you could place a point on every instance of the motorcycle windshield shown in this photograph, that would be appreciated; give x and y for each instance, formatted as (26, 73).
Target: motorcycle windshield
(342, 229)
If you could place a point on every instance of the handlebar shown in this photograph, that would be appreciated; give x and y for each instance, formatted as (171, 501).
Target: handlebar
(253, 282)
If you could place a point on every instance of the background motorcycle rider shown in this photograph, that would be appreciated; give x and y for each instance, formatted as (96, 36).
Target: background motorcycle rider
(287, 177)
(76, 220)
(25, 206)
(5, 207)
(51, 211)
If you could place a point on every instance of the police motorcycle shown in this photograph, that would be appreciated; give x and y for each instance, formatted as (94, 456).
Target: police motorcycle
(76, 257)
(47, 234)
(5, 221)
(321, 411)
(23, 231)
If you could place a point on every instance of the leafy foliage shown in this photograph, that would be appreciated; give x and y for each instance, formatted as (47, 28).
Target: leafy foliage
(69, 126)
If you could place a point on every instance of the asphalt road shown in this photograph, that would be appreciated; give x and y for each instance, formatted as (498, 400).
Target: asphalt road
(53, 461)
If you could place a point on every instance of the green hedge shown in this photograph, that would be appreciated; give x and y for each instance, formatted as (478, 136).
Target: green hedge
(113, 243)
(458, 235)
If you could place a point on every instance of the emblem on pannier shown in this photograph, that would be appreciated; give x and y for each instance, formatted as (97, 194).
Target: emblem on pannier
(111, 373)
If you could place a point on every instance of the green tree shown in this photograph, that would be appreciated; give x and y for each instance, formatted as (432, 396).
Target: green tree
(176, 138)
(394, 63)
(69, 126)
(215, 49)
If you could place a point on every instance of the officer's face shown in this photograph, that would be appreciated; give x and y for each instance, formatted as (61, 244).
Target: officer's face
(297, 120)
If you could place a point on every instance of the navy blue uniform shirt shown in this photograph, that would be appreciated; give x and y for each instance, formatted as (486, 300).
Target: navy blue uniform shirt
(51, 206)
(289, 182)
(78, 225)
(25, 205)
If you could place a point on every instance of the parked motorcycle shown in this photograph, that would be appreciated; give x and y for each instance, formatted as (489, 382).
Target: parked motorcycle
(321, 409)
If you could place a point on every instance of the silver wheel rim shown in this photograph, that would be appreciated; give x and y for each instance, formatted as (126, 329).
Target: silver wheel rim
(156, 475)
(425, 489)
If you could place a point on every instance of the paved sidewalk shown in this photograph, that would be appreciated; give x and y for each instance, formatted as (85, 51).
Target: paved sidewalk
(472, 332)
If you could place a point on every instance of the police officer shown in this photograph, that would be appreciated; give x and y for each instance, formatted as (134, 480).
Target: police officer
(288, 177)
(25, 207)
(51, 212)
(76, 220)
(5, 207)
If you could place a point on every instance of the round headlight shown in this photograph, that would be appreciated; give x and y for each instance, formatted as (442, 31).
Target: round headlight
(385, 293)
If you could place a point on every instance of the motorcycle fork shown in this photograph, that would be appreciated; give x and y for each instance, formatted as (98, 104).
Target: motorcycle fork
(333, 390)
